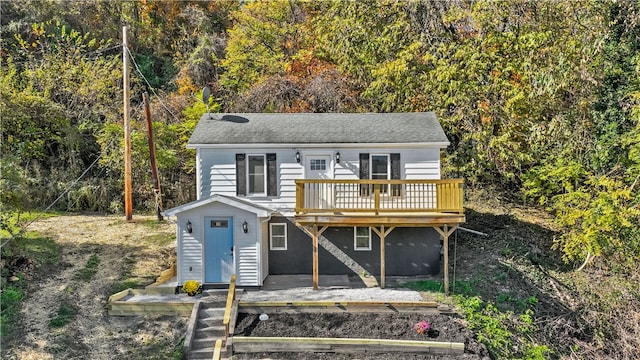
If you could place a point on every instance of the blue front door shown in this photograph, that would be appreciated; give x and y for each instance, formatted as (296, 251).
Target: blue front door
(218, 250)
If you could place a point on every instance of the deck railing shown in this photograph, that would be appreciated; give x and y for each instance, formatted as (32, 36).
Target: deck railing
(379, 196)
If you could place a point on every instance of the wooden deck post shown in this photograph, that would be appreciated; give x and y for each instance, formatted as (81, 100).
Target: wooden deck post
(382, 269)
(445, 233)
(315, 233)
(315, 256)
(382, 234)
(446, 260)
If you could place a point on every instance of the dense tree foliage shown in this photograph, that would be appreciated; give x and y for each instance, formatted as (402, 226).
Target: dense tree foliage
(540, 99)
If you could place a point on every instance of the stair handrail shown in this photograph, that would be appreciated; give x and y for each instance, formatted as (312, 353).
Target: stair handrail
(231, 296)
(217, 350)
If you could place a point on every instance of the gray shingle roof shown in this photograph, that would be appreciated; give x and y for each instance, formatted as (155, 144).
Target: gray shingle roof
(317, 128)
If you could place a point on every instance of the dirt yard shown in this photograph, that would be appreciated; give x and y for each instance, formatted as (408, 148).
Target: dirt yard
(127, 253)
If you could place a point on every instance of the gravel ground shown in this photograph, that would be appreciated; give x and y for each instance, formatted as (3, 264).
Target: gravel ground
(298, 294)
(308, 294)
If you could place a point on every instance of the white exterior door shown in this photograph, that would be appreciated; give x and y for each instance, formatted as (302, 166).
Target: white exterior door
(319, 167)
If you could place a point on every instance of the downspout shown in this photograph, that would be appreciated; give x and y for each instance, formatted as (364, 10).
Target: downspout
(261, 278)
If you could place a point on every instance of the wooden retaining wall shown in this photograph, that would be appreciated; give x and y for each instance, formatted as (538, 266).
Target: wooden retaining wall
(242, 344)
(259, 307)
(119, 306)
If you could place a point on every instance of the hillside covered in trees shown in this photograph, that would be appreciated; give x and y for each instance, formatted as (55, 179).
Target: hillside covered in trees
(540, 99)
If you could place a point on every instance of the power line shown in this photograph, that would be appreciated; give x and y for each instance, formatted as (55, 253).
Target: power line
(133, 60)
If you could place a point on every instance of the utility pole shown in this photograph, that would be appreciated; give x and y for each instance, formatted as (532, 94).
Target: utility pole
(128, 206)
(152, 156)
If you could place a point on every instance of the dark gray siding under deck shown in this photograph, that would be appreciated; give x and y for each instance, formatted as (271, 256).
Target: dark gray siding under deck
(408, 252)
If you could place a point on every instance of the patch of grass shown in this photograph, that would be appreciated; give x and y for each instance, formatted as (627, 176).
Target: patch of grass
(89, 270)
(160, 349)
(34, 246)
(425, 285)
(507, 252)
(31, 250)
(458, 287)
(13, 222)
(10, 300)
(160, 239)
(66, 313)
(151, 223)
(129, 283)
(43, 250)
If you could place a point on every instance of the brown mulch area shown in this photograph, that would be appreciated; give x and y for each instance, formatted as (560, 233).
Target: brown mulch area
(450, 328)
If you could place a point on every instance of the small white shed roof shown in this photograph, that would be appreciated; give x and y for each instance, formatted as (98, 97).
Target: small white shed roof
(235, 202)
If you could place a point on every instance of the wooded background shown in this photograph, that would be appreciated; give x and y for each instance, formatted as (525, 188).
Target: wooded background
(540, 99)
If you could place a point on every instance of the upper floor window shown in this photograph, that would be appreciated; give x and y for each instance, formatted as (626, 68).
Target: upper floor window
(256, 175)
(380, 167)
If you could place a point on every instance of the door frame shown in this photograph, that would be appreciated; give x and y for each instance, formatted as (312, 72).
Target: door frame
(329, 198)
(330, 163)
(230, 225)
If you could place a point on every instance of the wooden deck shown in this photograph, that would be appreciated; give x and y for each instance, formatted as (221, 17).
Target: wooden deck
(397, 219)
(381, 205)
(379, 196)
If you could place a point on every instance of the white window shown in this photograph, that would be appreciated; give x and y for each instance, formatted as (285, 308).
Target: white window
(256, 175)
(380, 169)
(362, 238)
(318, 164)
(278, 238)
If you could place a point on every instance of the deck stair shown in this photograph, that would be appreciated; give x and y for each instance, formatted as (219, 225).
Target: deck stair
(206, 326)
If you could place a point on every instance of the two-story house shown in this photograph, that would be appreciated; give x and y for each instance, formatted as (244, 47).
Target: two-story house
(329, 193)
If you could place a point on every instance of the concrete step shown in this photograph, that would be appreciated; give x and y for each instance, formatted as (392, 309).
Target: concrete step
(207, 312)
(204, 343)
(214, 304)
(211, 321)
(200, 354)
(209, 331)
(204, 354)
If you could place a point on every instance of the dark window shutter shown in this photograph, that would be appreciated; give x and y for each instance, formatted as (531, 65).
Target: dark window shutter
(272, 175)
(364, 173)
(241, 175)
(395, 174)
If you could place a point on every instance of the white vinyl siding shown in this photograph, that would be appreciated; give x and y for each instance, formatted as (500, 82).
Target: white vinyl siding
(191, 251)
(423, 164)
(247, 265)
(217, 173)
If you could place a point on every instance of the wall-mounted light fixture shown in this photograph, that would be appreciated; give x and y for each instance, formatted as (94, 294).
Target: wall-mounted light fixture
(338, 157)
(189, 227)
(245, 227)
(297, 156)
